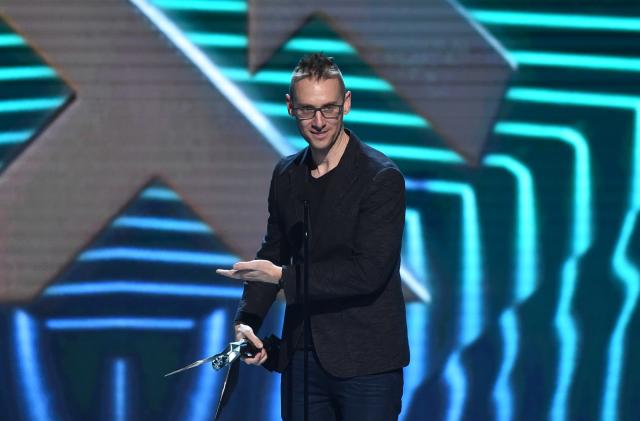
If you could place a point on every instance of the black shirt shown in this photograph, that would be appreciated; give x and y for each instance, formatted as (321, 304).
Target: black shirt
(317, 187)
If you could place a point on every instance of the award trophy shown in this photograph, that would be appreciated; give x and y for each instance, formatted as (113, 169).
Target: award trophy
(227, 358)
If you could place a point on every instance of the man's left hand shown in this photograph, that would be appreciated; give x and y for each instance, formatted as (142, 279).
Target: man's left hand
(254, 271)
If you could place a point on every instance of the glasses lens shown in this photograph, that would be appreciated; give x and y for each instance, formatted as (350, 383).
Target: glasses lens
(331, 111)
(304, 113)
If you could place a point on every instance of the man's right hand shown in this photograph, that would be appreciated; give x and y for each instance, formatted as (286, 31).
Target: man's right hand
(246, 332)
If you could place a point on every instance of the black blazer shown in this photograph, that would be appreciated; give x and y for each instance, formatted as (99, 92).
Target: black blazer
(358, 320)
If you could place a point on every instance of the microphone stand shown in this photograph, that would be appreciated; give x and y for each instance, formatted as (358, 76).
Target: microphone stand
(305, 300)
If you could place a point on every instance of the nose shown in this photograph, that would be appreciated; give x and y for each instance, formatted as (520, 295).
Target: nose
(318, 121)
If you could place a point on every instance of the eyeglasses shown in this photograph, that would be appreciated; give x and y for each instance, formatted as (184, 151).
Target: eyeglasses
(307, 113)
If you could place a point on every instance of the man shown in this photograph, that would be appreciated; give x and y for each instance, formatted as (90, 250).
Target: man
(357, 206)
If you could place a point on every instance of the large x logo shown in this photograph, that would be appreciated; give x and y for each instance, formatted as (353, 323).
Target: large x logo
(448, 68)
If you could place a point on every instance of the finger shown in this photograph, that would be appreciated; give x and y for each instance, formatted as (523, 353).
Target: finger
(263, 359)
(245, 265)
(226, 272)
(248, 333)
(251, 361)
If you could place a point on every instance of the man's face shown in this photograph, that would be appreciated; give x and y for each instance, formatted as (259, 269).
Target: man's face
(320, 132)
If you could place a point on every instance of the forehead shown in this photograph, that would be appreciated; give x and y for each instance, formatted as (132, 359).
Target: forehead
(318, 92)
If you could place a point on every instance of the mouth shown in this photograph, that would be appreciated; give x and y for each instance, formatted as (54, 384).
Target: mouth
(319, 134)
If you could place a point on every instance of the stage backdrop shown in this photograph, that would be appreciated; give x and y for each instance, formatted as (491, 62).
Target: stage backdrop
(137, 139)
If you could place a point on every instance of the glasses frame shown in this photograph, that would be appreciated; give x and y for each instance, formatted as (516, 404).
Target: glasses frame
(315, 110)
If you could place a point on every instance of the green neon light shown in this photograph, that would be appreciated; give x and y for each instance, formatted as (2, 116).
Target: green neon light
(220, 6)
(11, 40)
(283, 78)
(556, 20)
(373, 117)
(582, 61)
(26, 72)
(35, 104)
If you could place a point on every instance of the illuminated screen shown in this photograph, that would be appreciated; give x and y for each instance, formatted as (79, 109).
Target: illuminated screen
(117, 204)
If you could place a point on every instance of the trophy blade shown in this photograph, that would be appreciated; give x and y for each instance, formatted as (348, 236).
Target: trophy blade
(192, 365)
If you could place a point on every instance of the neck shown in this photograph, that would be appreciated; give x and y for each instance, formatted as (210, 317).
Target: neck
(328, 159)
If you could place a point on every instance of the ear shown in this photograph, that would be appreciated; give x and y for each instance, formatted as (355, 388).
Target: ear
(289, 104)
(347, 103)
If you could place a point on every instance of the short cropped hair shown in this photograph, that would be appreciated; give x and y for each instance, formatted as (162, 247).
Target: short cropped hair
(317, 66)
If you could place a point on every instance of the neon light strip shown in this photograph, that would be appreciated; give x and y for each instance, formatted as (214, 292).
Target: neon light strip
(35, 104)
(360, 83)
(581, 61)
(10, 138)
(27, 72)
(160, 193)
(234, 95)
(274, 402)
(417, 325)
(201, 399)
(219, 6)
(413, 247)
(142, 288)
(556, 20)
(34, 393)
(11, 40)
(581, 234)
(414, 253)
(370, 117)
(120, 392)
(627, 273)
(502, 393)
(162, 224)
(471, 309)
(119, 323)
(471, 251)
(157, 255)
(227, 40)
(454, 374)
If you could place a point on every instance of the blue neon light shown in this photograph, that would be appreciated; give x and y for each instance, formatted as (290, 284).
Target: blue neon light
(161, 224)
(26, 72)
(120, 392)
(142, 288)
(11, 40)
(119, 323)
(454, 374)
(471, 310)
(502, 393)
(8, 138)
(627, 273)
(34, 104)
(160, 193)
(556, 20)
(205, 386)
(158, 255)
(34, 394)
(218, 6)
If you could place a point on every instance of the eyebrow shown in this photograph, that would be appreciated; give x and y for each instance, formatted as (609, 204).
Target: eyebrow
(323, 105)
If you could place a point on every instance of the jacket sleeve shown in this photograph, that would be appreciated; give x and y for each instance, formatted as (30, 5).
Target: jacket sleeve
(376, 251)
(257, 297)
